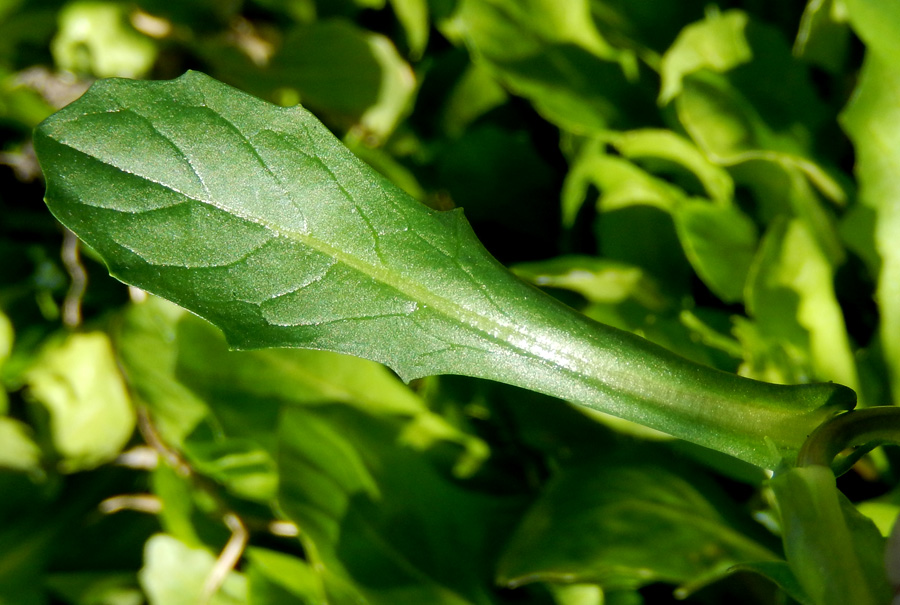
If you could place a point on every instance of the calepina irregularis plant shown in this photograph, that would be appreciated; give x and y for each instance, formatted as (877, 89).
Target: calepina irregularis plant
(256, 218)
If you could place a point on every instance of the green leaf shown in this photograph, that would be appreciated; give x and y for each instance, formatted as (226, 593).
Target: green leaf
(6, 342)
(246, 469)
(476, 93)
(196, 197)
(96, 588)
(552, 54)
(624, 521)
(791, 296)
(730, 131)
(869, 121)
(95, 38)
(353, 77)
(823, 37)
(598, 280)
(298, 377)
(277, 578)
(652, 144)
(18, 450)
(720, 242)
(145, 343)
(174, 574)
(780, 573)
(718, 44)
(413, 15)
(91, 416)
(366, 503)
(823, 530)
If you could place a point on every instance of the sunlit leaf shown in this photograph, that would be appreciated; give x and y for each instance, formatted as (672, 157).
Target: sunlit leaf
(210, 212)
(18, 450)
(174, 574)
(353, 77)
(413, 15)
(96, 38)
(823, 37)
(791, 297)
(871, 121)
(553, 54)
(674, 149)
(91, 416)
(718, 43)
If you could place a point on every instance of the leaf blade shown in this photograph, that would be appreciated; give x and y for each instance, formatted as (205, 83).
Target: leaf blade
(258, 219)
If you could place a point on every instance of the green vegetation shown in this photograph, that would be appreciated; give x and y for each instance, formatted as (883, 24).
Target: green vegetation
(716, 206)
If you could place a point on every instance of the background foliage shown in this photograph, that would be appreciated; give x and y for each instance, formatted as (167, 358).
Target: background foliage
(718, 177)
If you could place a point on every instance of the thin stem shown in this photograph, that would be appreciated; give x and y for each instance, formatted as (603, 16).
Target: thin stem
(71, 309)
(228, 558)
(859, 431)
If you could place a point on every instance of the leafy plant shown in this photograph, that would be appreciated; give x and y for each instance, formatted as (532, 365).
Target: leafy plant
(716, 267)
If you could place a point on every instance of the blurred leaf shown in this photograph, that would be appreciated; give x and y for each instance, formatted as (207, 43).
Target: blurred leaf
(780, 573)
(241, 465)
(96, 38)
(730, 131)
(733, 120)
(870, 121)
(96, 588)
(175, 494)
(174, 574)
(147, 350)
(353, 77)
(646, 25)
(619, 181)
(720, 242)
(17, 449)
(791, 297)
(883, 514)
(782, 191)
(246, 391)
(91, 416)
(578, 594)
(276, 578)
(366, 503)
(413, 15)
(624, 521)
(674, 149)
(824, 37)
(717, 44)
(7, 335)
(217, 375)
(476, 93)
(19, 104)
(303, 11)
(598, 280)
(824, 531)
(553, 54)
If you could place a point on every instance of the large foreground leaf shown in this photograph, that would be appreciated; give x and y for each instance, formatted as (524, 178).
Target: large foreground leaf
(258, 219)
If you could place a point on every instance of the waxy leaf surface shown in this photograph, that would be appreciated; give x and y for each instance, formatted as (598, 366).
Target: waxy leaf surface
(256, 218)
